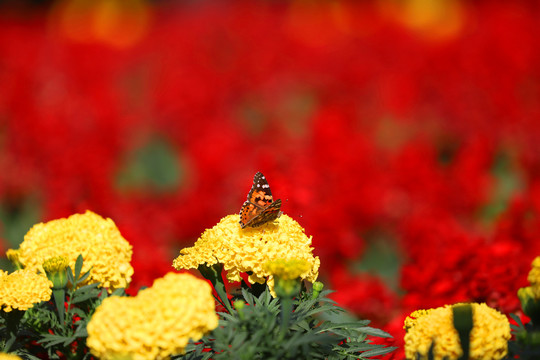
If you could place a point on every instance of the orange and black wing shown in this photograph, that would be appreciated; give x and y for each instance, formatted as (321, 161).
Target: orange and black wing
(248, 212)
(270, 213)
(260, 193)
(259, 207)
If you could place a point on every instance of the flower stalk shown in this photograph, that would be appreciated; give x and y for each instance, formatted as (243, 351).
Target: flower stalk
(463, 323)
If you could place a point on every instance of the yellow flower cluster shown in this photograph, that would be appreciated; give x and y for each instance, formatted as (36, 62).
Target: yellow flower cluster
(22, 289)
(247, 250)
(98, 240)
(156, 323)
(534, 278)
(489, 335)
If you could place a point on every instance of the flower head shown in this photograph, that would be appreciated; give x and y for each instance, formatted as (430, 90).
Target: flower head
(156, 323)
(98, 240)
(22, 289)
(55, 268)
(489, 335)
(247, 250)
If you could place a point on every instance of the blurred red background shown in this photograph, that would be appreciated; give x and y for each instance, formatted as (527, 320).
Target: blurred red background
(403, 135)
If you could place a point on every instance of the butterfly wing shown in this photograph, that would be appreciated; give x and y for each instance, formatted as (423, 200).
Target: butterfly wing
(270, 213)
(260, 193)
(259, 207)
(248, 212)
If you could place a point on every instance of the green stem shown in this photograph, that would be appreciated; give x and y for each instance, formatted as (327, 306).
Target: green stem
(286, 311)
(59, 297)
(463, 323)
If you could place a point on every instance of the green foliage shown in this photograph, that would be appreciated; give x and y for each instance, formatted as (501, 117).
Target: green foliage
(526, 345)
(254, 325)
(315, 328)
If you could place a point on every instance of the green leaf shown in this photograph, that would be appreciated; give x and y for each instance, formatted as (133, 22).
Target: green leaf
(362, 347)
(49, 340)
(515, 327)
(83, 278)
(248, 297)
(375, 332)
(27, 356)
(9, 343)
(85, 293)
(517, 320)
(239, 339)
(87, 288)
(377, 352)
(119, 292)
(78, 267)
(70, 277)
(81, 331)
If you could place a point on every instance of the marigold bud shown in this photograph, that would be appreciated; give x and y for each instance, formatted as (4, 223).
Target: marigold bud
(13, 256)
(317, 288)
(529, 303)
(56, 270)
(286, 274)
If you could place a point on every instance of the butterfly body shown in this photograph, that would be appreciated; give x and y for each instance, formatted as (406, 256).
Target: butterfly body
(260, 207)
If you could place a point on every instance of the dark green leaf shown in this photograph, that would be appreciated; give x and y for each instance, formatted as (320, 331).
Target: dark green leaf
(374, 332)
(78, 267)
(378, 352)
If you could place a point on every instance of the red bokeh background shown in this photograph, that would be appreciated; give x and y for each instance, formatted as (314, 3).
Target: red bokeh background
(403, 135)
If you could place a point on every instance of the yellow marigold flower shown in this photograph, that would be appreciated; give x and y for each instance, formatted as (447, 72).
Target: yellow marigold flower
(247, 250)
(22, 289)
(4, 356)
(156, 323)
(489, 335)
(98, 240)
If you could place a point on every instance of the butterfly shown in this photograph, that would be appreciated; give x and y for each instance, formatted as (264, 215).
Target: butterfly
(260, 207)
